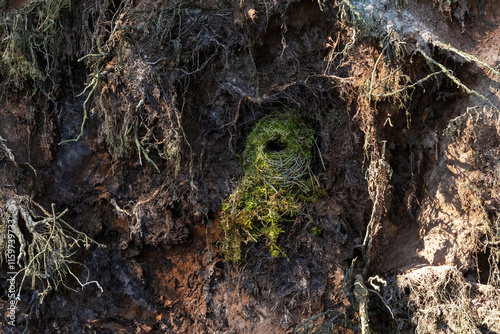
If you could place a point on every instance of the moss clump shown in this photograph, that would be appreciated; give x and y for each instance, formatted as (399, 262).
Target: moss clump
(278, 179)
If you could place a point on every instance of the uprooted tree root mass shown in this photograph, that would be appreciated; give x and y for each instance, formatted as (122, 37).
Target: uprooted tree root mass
(151, 128)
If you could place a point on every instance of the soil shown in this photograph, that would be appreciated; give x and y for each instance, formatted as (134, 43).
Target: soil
(172, 89)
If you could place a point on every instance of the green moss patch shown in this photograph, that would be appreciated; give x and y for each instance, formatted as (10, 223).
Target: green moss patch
(278, 180)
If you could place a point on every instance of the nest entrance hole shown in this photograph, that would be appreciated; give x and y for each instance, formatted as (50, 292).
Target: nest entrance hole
(275, 146)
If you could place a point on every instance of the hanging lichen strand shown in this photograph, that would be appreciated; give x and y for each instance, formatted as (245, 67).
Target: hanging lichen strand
(278, 179)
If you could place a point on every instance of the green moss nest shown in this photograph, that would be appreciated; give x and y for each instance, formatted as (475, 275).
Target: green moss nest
(278, 180)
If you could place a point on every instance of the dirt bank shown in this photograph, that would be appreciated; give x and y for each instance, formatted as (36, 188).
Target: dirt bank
(124, 123)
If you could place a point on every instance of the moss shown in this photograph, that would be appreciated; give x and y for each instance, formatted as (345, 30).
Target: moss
(277, 181)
